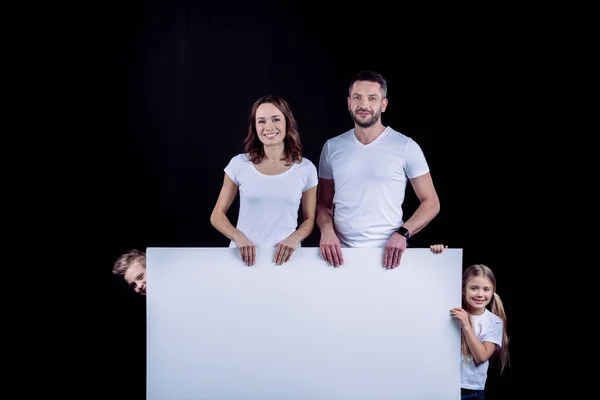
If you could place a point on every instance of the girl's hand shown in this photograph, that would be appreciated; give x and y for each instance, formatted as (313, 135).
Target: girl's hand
(437, 248)
(460, 316)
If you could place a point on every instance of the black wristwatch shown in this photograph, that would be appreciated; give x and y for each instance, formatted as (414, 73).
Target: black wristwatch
(404, 232)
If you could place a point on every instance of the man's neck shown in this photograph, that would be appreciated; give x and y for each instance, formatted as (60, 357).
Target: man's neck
(367, 135)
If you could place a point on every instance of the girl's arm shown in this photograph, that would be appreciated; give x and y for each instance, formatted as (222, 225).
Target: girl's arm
(481, 351)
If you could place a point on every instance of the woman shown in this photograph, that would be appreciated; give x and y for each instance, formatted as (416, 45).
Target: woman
(274, 180)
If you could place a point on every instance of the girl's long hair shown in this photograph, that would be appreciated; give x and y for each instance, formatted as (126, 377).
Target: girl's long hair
(496, 307)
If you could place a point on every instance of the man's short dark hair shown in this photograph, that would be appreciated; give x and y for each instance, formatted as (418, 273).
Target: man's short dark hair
(366, 75)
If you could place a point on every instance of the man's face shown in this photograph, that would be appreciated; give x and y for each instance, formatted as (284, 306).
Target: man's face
(366, 103)
(135, 277)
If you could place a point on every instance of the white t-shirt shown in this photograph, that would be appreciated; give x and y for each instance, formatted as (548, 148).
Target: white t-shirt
(488, 328)
(370, 182)
(269, 204)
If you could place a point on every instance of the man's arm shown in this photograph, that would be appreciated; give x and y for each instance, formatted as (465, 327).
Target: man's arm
(330, 244)
(325, 204)
(429, 205)
(428, 208)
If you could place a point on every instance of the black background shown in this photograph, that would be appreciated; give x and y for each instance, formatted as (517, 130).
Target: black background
(176, 82)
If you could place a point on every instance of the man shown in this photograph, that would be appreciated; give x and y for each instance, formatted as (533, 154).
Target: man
(362, 180)
(132, 266)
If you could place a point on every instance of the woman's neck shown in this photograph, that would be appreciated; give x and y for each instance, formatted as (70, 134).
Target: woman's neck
(274, 153)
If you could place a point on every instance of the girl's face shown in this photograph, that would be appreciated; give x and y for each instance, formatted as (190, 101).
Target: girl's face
(478, 293)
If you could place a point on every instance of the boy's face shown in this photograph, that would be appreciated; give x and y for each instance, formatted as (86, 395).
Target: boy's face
(135, 277)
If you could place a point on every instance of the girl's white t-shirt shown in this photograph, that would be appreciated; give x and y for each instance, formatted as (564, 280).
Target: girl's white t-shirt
(488, 328)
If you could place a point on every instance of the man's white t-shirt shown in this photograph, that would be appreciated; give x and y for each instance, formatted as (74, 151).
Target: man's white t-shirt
(488, 327)
(370, 182)
(269, 204)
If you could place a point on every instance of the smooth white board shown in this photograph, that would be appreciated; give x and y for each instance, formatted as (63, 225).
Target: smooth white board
(217, 329)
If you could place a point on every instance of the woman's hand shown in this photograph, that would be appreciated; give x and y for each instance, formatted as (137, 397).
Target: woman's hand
(247, 249)
(284, 250)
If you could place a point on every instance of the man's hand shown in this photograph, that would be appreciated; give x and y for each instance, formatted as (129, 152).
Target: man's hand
(394, 248)
(331, 250)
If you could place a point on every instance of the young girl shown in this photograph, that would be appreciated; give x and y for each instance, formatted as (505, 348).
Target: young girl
(483, 330)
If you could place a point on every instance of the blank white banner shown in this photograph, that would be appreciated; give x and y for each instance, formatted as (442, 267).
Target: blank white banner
(217, 329)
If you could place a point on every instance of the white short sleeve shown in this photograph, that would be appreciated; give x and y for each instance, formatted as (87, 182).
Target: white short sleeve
(416, 164)
(494, 334)
(312, 178)
(324, 163)
(232, 169)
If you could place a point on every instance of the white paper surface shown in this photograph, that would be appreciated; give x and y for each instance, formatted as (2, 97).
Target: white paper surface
(217, 329)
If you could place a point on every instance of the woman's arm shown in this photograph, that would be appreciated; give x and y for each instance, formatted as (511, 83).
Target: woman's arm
(219, 220)
(284, 250)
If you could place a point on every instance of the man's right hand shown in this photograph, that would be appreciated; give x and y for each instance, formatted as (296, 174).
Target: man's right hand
(246, 248)
(331, 250)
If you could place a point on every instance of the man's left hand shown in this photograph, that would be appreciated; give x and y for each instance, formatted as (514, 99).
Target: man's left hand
(394, 248)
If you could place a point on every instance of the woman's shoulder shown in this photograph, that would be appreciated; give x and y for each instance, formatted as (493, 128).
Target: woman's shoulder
(305, 162)
(306, 165)
(241, 157)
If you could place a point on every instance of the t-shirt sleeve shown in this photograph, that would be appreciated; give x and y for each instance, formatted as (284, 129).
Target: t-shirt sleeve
(324, 163)
(232, 169)
(416, 164)
(494, 334)
(312, 178)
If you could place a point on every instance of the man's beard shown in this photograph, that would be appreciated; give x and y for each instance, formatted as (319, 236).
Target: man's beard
(369, 122)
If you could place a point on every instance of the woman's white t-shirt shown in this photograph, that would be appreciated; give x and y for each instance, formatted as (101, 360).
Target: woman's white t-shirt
(269, 204)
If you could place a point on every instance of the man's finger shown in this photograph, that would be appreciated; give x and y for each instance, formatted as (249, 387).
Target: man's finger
(385, 255)
(390, 257)
(397, 257)
(336, 260)
(328, 255)
(338, 250)
(323, 253)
